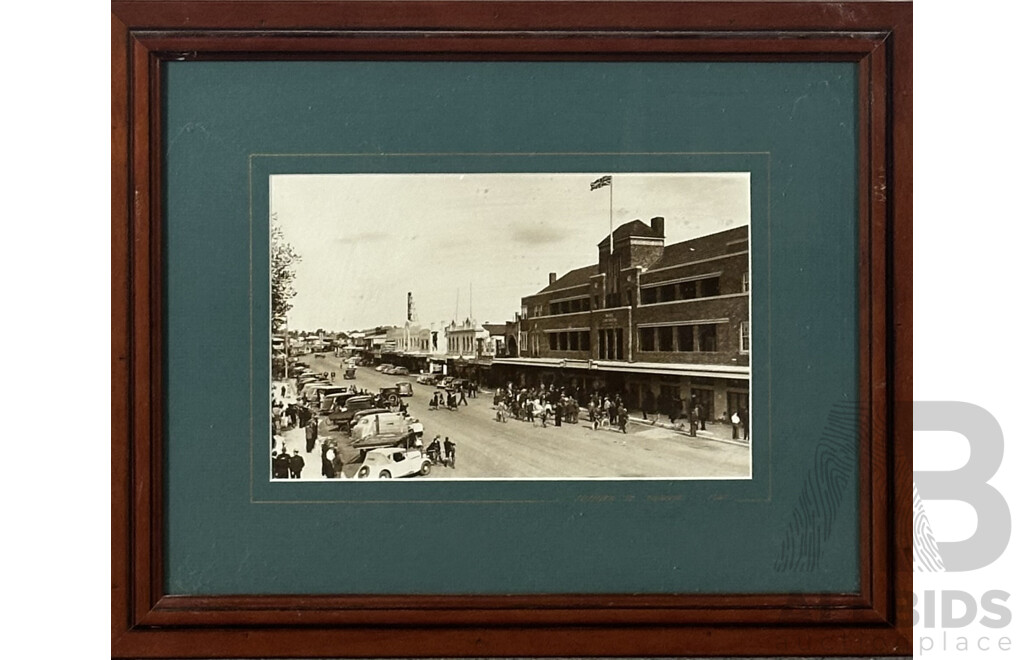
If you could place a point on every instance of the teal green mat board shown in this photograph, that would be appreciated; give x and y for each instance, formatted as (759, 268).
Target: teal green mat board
(230, 125)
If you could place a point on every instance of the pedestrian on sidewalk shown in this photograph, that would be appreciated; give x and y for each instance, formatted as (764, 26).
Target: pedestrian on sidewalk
(694, 418)
(462, 395)
(449, 450)
(295, 465)
(735, 426)
(312, 432)
(280, 464)
(327, 462)
(623, 418)
(647, 402)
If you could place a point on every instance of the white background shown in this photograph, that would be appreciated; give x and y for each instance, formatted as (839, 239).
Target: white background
(55, 324)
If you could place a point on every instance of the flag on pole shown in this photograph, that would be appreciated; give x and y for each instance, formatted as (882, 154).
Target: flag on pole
(601, 183)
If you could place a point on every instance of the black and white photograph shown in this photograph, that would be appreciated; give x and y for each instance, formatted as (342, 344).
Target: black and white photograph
(505, 326)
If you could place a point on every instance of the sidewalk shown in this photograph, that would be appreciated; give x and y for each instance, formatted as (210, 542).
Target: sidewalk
(715, 430)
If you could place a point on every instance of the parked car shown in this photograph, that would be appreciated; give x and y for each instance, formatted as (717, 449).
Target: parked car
(400, 371)
(404, 388)
(384, 423)
(334, 401)
(309, 379)
(426, 379)
(388, 462)
(360, 414)
(381, 367)
(313, 392)
(390, 396)
(342, 418)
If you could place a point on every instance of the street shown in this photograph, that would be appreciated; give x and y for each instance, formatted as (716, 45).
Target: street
(488, 449)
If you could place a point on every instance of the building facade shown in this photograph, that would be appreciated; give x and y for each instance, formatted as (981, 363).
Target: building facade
(662, 325)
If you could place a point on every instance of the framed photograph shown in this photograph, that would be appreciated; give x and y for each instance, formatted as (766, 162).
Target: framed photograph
(511, 328)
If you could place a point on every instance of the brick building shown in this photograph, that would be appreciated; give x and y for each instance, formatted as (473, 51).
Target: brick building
(661, 324)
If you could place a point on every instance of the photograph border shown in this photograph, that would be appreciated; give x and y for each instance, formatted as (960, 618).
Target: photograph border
(260, 189)
(146, 622)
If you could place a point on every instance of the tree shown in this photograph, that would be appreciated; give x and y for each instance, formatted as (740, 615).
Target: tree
(282, 275)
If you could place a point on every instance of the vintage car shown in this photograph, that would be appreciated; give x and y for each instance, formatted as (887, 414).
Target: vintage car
(381, 367)
(404, 388)
(350, 373)
(363, 413)
(390, 396)
(365, 425)
(426, 379)
(332, 401)
(389, 462)
(400, 371)
(313, 392)
(342, 417)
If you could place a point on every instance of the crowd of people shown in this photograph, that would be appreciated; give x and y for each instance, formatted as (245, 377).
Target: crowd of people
(539, 405)
(557, 405)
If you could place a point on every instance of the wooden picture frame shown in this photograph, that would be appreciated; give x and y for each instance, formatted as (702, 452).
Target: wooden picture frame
(146, 622)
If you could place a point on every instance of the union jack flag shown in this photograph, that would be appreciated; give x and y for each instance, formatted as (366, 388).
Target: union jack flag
(601, 183)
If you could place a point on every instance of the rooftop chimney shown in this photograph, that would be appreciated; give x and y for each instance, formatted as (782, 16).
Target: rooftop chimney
(551, 278)
(658, 225)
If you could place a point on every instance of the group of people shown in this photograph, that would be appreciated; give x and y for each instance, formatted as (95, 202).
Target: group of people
(331, 463)
(447, 399)
(287, 416)
(605, 409)
(536, 405)
(442, 453)
(285, 466)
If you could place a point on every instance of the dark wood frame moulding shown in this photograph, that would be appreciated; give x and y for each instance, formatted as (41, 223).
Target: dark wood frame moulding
(146, 622)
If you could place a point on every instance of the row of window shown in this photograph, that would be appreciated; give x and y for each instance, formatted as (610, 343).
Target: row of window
(699, 338)
(569, 306)
(569, 341)
(463, 345)
(696, 338)
(703, 288)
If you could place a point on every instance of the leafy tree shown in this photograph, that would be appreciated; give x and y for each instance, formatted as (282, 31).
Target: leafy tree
(282, 276)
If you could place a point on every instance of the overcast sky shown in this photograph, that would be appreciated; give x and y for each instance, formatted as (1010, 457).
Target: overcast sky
(368, 239)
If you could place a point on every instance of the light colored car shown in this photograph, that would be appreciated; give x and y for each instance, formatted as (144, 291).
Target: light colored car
(393, 462)
(404, 388)
(378, 424)
(384, 423)
(400, 371)
(382, 367)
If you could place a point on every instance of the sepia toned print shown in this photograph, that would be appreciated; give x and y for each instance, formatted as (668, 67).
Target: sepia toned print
(510, 326)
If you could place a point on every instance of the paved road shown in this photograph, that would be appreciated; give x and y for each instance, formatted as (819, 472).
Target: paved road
(489, 449)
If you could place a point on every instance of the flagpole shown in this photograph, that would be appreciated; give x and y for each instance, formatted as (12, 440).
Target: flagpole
(611, 198)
